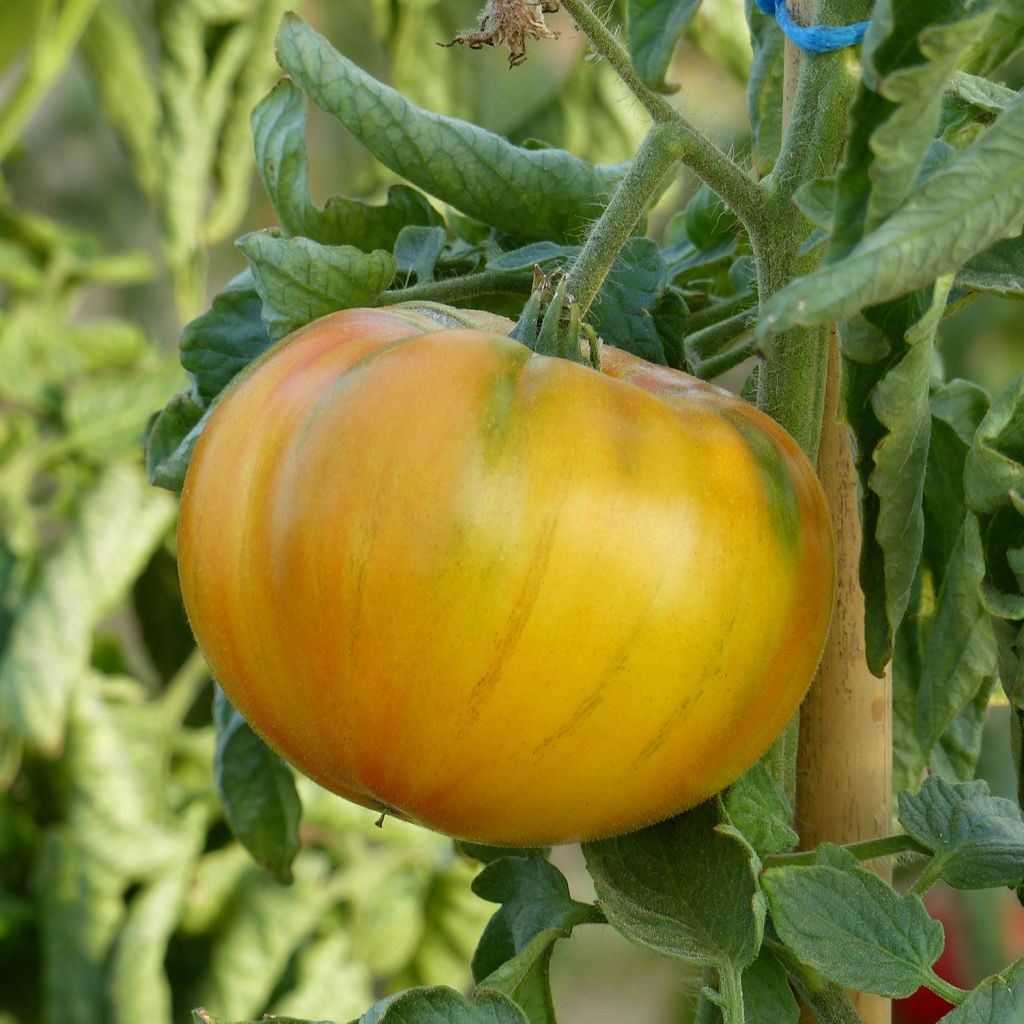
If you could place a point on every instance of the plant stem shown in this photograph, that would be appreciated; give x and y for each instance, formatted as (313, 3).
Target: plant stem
(929, 876)
(712, 340)
(740, 192)
(658, 153)
(943, 988)
(866, 849)
(732, 991)
(469, 286)
(747, 302)
(605, 44)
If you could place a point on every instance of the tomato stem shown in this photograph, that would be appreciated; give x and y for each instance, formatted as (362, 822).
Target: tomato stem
(866, 849)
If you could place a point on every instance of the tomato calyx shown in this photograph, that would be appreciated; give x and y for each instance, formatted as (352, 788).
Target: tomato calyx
(551, 325)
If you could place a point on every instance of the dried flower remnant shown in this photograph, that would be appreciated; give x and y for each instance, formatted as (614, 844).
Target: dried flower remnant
(509, 23)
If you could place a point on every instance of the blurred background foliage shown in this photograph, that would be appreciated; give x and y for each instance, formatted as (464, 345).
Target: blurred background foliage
(126, 171)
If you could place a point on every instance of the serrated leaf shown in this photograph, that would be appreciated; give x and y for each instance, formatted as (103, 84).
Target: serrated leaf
(279, 130)
(972, 202)
(853, 928)
(910, 52)
(446, 1006)
(528, 193)
(623, 312)
(653, 27)
(761, 811)
(764, 88)
(225, 339)
(961, 649)
(977, 839)
(119, 523)
(257, 790)
(300, 280)
(900, 401)
(684, 888)
(997, 1000)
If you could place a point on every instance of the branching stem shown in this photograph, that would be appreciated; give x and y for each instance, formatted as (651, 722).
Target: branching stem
(867, 849)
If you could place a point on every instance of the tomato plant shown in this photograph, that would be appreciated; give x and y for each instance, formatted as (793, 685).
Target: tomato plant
(495, 592)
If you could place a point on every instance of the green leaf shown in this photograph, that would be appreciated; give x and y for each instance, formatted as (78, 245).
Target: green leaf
(997, 1000)
(995, 466)
(170, 440)
(515, 949)
(686, 888)
(623, 312)
(528, 193)
(279, 129)
(976, 199)
(300, 280)
(961, 649)
(535, 898)
(980, 93)
(225, 339)
(1002, 38)
(653, 27)
(910, 52)
(446, 1006)
(900, 401)
(766, 992)
(977, 839)
(764, 88)
(117, 526)
(761, 811)
(996, 270)
(853, 928)
(417, 250)
(257, 790)
(329, 972)
(258, 934)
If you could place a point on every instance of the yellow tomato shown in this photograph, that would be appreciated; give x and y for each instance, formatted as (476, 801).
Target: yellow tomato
(503, 595)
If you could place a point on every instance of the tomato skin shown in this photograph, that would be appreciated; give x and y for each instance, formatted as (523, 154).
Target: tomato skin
(506, 596)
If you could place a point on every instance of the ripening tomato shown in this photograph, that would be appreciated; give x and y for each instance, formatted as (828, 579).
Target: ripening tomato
(503, 595)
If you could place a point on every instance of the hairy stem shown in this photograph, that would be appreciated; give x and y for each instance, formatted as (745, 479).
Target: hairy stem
(943, 988)
(658, 154)
(471, 286)
(866, 849)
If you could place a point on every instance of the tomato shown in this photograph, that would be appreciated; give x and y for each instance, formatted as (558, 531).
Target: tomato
(509, 597)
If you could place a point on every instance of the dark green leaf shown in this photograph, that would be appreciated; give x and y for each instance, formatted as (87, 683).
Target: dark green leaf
(977, 839)
(535, 898)
(300, 280)
(622, 313)
(653, 27)
(170, 440)
(995, 466)
(686, 888)
(279, 130)
(528, 193)
(972, 202)
(961, 650)
(118, 524)
(446, 1006)
(853, 928)
(225, 339)
(708, 220)
(760, 810)
(257, 790)
(767, 996)
(910, 52)
(997, 1000)
(538, 254)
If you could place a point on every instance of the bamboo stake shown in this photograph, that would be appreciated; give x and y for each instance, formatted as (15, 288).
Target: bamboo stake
(844, 764)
